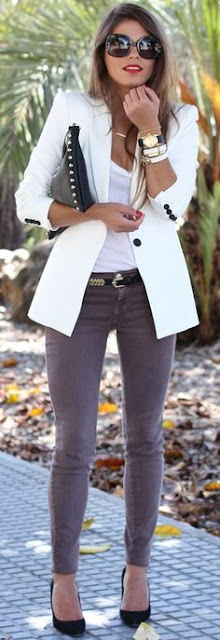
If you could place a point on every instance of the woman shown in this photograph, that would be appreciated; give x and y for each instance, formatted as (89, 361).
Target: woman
(141, 159)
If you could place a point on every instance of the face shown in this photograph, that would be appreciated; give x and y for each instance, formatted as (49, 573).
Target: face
(132, 70)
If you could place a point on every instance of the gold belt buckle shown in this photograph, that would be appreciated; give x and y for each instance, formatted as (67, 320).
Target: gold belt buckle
(117, 278)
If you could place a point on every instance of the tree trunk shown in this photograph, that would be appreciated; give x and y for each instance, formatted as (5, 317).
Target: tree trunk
(11, 230)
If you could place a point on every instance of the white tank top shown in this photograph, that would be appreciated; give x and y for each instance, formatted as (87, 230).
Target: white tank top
(117, 253)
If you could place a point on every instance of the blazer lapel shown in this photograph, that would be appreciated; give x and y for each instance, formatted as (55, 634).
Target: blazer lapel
(99, 150)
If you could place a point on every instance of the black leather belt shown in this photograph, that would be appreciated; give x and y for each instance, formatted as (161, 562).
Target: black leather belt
(118, 281)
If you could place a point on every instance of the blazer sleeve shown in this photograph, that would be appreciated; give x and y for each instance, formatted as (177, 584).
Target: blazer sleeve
(182, 154)
(32, 198)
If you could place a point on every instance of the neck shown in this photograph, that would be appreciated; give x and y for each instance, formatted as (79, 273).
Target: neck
(120, 121)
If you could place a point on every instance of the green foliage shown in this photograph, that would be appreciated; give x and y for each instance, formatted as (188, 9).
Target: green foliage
(42, 47)
(209, 215)
(199, 23)
(34, 235)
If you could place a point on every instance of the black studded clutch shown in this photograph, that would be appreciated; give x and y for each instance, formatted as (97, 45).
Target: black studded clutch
(69, 185)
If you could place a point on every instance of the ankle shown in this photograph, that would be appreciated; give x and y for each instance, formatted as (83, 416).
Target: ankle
(64, 578)
(135, 572)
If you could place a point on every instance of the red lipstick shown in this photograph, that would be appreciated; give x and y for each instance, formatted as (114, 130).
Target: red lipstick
(132, 68)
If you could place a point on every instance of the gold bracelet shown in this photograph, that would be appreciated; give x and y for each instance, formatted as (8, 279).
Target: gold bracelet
(144, 133)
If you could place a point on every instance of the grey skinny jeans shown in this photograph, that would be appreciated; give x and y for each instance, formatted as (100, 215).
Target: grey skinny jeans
(74, 366)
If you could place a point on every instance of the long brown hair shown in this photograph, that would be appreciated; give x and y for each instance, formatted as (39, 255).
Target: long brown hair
(162, 78)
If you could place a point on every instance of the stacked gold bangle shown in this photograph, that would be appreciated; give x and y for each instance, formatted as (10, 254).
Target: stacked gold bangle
(153, 146)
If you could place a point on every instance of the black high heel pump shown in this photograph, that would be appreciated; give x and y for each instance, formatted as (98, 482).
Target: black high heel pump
(133, 618)
(69, 627)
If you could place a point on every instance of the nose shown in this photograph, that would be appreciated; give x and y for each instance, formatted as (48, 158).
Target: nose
(134, 46)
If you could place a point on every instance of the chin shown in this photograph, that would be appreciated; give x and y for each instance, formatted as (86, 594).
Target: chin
(131, 83)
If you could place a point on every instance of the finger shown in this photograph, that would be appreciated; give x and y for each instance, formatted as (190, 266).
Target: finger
(150, 93)
(143, 97)
(131, 222)
(134, 212)
(134, 94)
(127, 103)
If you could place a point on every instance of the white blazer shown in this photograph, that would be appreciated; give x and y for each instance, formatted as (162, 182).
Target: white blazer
(159, 257)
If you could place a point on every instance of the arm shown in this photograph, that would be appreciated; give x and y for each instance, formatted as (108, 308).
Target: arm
(33, 203)
(171, 181)
(182, 153)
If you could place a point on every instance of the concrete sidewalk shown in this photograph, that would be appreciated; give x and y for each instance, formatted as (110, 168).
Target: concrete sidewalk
(183, 575)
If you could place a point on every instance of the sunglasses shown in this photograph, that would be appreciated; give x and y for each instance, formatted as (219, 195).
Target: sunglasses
(118, 46)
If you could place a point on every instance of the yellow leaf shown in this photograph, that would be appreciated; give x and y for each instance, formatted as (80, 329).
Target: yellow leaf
(145, 632)
(189, 98)
(212, 486)
(212, 86)
(12, 397)
(36, 412)
(108, 407)
(169, 424)
(95, 549)
(87, 524)
(165, 530)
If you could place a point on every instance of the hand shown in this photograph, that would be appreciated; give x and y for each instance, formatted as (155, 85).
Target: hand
(118, 217)
(141, 106)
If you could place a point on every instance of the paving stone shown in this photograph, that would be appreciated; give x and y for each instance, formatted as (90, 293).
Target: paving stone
(184, 588)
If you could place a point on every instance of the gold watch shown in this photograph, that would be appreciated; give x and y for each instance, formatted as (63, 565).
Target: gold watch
(150, 140)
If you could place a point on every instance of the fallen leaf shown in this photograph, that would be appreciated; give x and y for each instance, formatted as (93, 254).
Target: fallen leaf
(36, 412)
(12, 396)
(173, 452)
(87, 523)
(11, 386)
(146, 632)
(165, 530)
(111, 463)
(10, 362)
(212, 486)
(107, 407)
(169, 424)
(95, 549)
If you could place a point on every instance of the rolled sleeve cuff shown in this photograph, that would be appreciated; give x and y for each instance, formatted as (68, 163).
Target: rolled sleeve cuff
(36, 215)
(171, 203)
